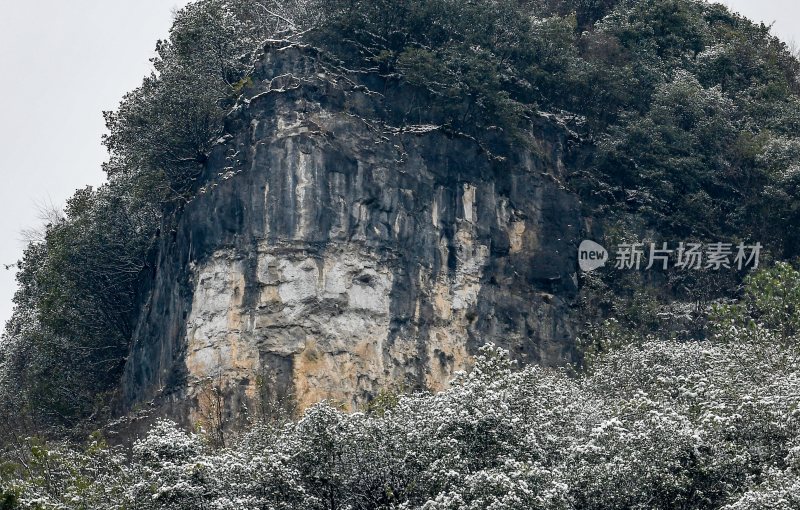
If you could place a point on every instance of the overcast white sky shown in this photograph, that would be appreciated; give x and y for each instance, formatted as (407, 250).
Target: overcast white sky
(63, 62)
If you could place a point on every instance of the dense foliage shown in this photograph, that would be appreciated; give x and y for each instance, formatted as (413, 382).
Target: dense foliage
(75, 310)
(665, 424)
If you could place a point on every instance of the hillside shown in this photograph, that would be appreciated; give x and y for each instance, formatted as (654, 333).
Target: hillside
(359, 203)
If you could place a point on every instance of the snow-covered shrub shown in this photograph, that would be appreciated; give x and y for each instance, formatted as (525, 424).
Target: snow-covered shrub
(663, 424)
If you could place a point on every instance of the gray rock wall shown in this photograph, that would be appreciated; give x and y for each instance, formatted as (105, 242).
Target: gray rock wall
(336, 250)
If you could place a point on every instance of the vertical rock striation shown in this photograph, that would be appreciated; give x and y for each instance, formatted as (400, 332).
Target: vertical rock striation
(338, 248)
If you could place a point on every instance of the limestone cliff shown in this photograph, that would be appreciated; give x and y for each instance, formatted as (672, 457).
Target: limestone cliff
(338, 248)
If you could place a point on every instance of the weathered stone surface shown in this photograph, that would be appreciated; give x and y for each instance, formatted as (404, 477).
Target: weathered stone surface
(337, 249)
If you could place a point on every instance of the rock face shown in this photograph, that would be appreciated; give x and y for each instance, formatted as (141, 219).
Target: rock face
(338, 249)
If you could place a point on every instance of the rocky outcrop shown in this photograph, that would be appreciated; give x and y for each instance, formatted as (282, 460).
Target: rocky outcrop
(345, 243)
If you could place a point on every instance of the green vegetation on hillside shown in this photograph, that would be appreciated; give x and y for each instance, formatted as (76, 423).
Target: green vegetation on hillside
(690, 113)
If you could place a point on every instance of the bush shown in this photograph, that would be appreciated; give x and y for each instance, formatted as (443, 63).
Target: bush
(666, 424)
